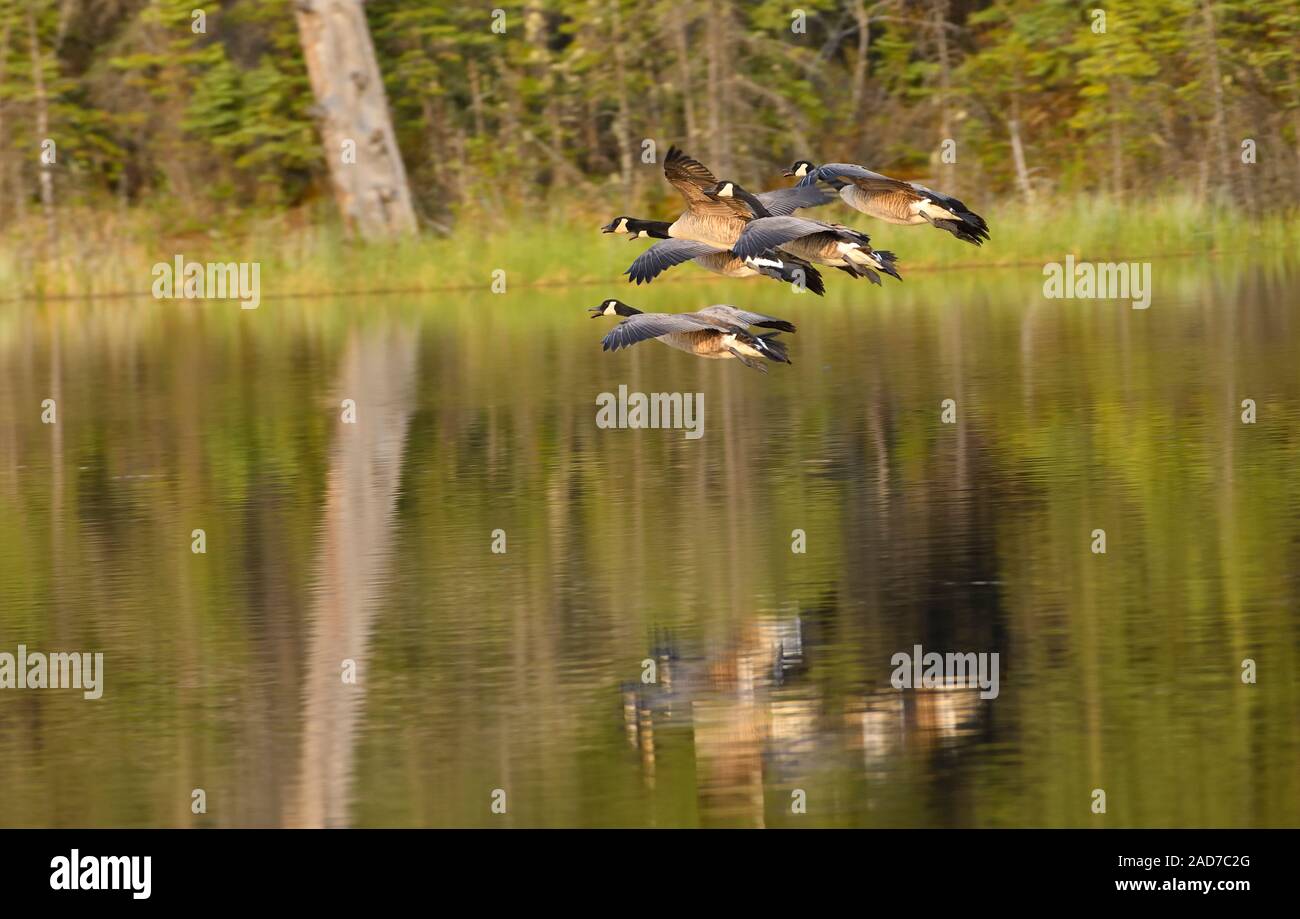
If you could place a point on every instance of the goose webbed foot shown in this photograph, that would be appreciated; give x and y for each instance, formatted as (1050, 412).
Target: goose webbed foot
(749, 362)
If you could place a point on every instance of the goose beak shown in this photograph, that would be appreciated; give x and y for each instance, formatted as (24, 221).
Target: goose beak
(789, 173)
(595, 311)
(609, 227)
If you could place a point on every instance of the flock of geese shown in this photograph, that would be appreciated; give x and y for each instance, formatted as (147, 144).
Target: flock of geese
(727, 230)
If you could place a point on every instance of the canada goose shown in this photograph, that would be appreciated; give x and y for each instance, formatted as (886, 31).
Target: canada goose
(719, 219)
(815, 240)
(714, 332)
(664, 255)
(716, 221)
(893, 200)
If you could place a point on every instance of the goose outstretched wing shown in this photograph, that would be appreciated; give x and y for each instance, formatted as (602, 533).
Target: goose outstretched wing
(644, 326)
(734, 316)
(664, 255)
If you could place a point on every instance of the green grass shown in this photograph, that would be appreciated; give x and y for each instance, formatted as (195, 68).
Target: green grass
(112, 253)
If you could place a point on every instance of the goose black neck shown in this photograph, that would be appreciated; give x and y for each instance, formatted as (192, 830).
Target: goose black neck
(656, 228)
(754, 204)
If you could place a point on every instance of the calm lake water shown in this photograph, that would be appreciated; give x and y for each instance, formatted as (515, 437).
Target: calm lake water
(523, 671)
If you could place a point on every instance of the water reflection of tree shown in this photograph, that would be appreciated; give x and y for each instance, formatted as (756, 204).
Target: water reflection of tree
(357, 537)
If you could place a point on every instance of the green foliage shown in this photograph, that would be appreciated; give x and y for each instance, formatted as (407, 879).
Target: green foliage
(555, 110)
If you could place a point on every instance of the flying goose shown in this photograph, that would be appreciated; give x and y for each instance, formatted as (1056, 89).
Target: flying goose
(718, 221)
(894, 200)
(714, 332)
(664, 255)
(814, 240)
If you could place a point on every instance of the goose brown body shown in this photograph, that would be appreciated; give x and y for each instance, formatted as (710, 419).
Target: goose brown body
(894, 200)
(710, 343)
(897, 207)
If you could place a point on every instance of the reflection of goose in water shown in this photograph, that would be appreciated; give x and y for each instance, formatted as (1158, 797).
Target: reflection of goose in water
(755, 720)
(924, 720)
(769, 654)
(744, 717)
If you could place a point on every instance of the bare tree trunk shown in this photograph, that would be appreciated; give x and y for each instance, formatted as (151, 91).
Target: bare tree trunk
(1018, 154)
(1116, 156)
(678, 18)
(476, 98)
(1295, 119)
(590, 124)
(65, 16)
(4, 62)
(42, 131)
(16, 186)
(623, 123)
(860, 61)
(542, 73)
(435, 125)
(716, 93)
(372, 192)
(443, 162)
(1219, 127)
(945, 84)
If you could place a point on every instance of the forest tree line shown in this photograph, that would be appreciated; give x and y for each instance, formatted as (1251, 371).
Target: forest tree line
(509, 105)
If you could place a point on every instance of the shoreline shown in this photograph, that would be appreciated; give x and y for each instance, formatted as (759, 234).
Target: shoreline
(697, 277)
(106, 256)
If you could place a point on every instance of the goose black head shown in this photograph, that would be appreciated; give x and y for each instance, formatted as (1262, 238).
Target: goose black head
(617, 225)
(612, 307)
(729, 189)
(800, 169)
